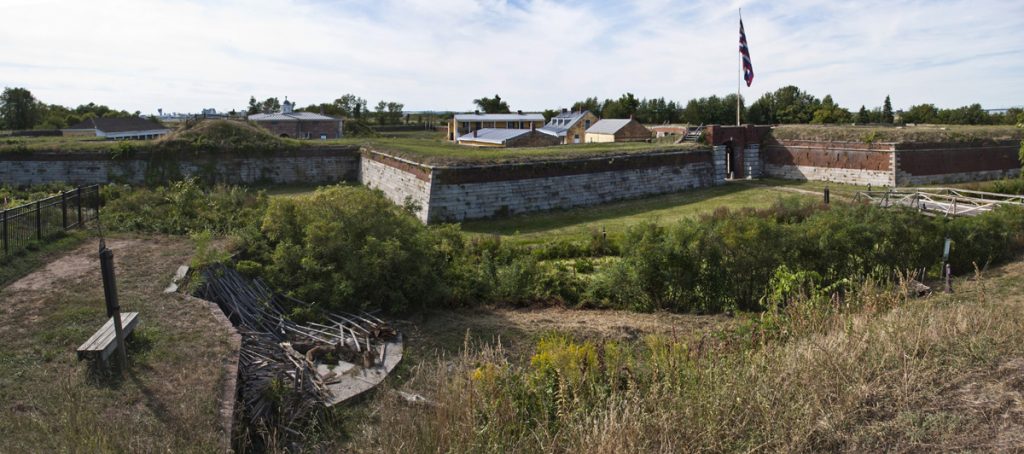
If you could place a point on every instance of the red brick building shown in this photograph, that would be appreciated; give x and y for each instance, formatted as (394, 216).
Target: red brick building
(299, 125)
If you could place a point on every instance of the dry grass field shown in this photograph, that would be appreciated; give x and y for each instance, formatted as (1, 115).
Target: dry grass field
(169, 398)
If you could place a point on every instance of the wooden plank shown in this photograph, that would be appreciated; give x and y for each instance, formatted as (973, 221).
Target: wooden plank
(102, 342)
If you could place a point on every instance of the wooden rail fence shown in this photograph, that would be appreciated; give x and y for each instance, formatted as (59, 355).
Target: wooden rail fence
(37, 221)
(941, 201)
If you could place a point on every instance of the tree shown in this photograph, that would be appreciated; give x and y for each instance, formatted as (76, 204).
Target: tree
(592, 104)
(624, 107)
(831, 113)
(921, 113)
(711, 110)
(254, 106)
(18, 109)
(350, 106)
(862, 116)
(492, 105)
(270, 105)
(788, 104)
(887, 116)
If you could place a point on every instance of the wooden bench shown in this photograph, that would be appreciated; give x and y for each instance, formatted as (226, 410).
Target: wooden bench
(102, 343)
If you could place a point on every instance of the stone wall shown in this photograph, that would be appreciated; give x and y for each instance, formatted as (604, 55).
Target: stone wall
(400, 180)
(312, 165)
(752, 165)
(456, 193)
(842, 162)
(480, 192)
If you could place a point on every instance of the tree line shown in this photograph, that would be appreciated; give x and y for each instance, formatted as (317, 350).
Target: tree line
(20, 110)
(348, 106)
(787, 105)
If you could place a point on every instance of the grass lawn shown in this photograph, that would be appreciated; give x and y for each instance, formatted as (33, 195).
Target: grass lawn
(167, 400)
(615, 218)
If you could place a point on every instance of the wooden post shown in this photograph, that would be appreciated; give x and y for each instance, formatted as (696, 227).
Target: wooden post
(110, 294)
(79, 192)
(7, 240)
(949, 279)
(826, 194)
(39, 221)
(64, 210)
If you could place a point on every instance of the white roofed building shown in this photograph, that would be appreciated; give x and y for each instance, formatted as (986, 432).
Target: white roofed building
(463, 124)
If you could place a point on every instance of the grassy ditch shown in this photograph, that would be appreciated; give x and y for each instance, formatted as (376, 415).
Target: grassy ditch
(877, 372)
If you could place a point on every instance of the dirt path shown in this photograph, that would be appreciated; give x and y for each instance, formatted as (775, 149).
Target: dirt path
(169, 396)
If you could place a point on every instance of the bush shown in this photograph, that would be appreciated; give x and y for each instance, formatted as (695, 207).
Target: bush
(351, 249)
(727, 261)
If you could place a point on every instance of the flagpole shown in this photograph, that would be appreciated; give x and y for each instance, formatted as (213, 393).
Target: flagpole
(739, 76)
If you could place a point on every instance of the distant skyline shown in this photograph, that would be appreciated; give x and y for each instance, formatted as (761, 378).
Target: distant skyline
(185, 55)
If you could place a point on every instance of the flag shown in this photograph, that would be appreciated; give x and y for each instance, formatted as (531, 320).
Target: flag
(748, 69)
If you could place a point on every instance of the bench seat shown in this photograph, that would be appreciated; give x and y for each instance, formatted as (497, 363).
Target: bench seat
(102, 343)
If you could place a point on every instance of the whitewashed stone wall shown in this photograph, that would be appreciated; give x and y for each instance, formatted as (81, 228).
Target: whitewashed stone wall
(720, 166)
(398, 185)
(752, 161)
(457, 202)
(838, 175)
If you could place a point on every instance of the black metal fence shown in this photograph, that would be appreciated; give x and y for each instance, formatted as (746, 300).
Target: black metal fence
(34, 222)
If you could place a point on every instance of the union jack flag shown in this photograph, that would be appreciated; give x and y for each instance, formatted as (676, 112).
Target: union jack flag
(748, 69)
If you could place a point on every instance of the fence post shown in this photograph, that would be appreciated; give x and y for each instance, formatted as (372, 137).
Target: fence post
(64, 209)
(79, 190)
(39, 220)
(7, 241)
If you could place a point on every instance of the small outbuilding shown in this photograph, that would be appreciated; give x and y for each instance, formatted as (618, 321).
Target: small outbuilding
(508, 138)
(570, 127)
(299, 125)
(117, 128)
(618, 130)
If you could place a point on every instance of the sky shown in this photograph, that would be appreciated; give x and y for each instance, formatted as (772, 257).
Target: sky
(184, 55)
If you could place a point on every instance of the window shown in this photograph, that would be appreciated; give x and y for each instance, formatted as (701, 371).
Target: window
(586, 124)
(512, 125)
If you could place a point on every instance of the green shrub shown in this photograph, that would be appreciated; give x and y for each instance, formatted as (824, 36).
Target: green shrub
(348, 248)
(180, 208)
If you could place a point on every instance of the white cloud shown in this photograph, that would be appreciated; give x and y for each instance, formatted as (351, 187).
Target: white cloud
(441, 54)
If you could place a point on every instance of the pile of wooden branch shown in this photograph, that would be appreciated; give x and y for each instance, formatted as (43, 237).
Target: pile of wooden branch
(279, 384)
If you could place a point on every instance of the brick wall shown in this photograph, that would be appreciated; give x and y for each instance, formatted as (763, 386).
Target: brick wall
(930, 163)
(842, 162)
(890, 164)
(319, 165)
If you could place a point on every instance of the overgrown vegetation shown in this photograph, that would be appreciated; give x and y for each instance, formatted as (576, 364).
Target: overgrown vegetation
(349, 248)
(181, 208)
(927, 134)
(11, 196)
(874, 371)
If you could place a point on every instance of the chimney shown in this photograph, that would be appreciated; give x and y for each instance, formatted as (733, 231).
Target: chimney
(519, 112)
(565, 110)
(321, 110)
(474, 133)
(630, 116)
(533, 126)
(476, 112)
